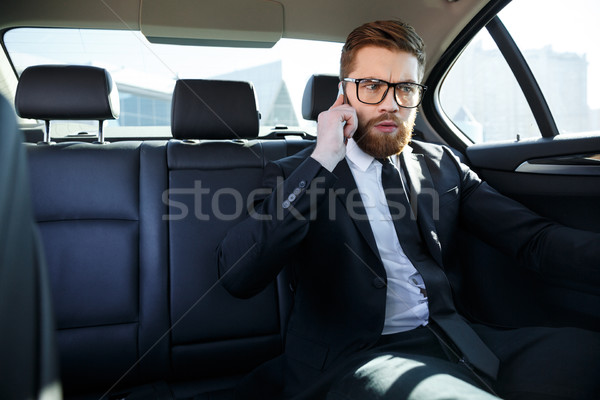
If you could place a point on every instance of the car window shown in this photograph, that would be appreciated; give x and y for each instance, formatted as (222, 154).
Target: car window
(145, 73)
(481, 96)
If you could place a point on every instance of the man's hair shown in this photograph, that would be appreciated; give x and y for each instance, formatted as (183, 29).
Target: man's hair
(392, 35)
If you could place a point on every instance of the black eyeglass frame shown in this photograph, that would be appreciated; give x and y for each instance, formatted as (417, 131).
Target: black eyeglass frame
(423, 88)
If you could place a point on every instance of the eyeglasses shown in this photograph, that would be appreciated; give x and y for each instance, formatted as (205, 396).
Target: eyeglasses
(373, 91)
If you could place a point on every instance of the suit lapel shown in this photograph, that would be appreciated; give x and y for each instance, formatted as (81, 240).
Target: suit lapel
(346, 186)
(423, 198)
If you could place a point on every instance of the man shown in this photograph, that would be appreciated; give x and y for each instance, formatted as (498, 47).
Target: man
(366, 224)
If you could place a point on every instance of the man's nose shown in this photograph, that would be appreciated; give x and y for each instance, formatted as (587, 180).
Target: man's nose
(388, 104)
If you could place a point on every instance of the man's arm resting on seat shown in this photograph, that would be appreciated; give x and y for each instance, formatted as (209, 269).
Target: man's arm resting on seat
(254, 252)
(537, 242)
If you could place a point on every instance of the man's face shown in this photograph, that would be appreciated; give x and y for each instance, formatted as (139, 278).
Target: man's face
(385, 128)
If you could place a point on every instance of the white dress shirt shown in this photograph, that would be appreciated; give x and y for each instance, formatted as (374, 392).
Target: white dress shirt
(406, 304)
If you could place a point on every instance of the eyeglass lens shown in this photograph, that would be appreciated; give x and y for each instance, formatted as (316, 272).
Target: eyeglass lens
(373, 92)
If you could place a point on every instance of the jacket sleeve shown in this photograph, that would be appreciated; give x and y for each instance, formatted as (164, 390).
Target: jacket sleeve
(534, 241)
(254, 252)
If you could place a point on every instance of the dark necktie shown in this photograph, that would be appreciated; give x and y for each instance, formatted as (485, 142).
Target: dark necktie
(395, 193)
(441, 304)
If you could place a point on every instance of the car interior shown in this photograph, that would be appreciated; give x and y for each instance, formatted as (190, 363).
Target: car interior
(110, 248)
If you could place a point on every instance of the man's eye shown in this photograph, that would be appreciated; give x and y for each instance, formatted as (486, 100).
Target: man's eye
(406, 89)
(371, 86)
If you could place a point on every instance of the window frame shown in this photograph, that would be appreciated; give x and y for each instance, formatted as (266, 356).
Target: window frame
(525, 78)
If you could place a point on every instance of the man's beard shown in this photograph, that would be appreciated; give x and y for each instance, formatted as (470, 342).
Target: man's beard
(381, 144)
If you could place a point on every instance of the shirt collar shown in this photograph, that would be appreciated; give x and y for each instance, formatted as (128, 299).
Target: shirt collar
(357, 156)
(362, 160)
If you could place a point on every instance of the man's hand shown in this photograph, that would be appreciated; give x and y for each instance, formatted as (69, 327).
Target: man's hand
(335, 127)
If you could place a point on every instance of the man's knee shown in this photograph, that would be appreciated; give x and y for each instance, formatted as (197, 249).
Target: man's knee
(389, 376)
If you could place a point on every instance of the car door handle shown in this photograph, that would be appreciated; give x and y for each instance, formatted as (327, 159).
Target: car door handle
(577, 164)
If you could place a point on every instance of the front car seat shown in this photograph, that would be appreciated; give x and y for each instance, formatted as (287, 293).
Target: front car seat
(28, 366)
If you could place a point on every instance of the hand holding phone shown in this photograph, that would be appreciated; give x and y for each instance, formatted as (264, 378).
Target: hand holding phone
(334, 128)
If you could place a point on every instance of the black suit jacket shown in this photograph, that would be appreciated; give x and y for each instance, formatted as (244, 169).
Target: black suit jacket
(315, 223)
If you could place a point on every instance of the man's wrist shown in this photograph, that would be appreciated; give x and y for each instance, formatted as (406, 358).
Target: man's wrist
(328, 162)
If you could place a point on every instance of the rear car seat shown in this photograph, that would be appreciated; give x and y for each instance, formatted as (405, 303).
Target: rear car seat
(214, 164)
(319, 95)
(67, 92)
(99, 208)
(133, 276)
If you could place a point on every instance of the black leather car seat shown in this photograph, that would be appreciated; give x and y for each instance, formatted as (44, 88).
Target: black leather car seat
(319, 94)
(107, 264)
(28, 367)
(67, 92)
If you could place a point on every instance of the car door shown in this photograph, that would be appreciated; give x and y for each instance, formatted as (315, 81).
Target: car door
(516, 94)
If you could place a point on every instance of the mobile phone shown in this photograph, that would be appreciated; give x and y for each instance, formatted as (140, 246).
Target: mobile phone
(341, 91)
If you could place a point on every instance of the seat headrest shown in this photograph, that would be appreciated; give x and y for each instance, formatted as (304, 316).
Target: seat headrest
(319, 94)
(59, 92)
(212, 109)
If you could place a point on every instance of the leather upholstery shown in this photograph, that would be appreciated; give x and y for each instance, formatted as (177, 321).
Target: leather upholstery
(319, 94)
(134, 277)
(29, 358)
(125, 265)
(55, 92)
(211, 181)
(207, 109)
(107, 265)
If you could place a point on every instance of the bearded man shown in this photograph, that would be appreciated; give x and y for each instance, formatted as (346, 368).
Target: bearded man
(366, 223)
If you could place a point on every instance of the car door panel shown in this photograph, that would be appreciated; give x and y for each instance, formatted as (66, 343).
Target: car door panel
(558, 178)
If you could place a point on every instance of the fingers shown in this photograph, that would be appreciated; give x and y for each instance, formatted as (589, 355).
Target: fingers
(347, 114)
(350, 126)
(335, 126)
(338, 102)
(341, 117)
